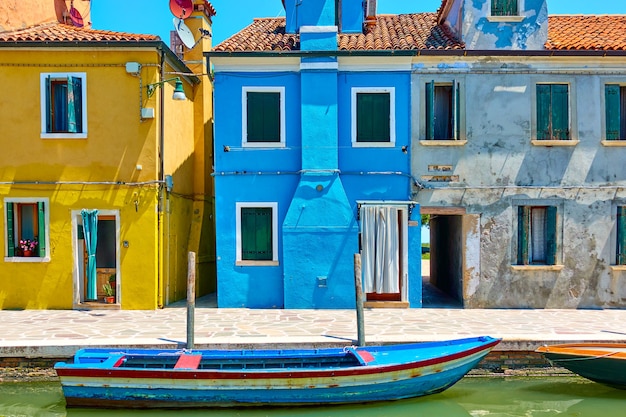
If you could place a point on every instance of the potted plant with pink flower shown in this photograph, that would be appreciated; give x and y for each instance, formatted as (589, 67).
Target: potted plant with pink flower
(28, 246)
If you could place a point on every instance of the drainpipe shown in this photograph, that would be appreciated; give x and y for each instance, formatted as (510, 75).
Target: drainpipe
(162, 197)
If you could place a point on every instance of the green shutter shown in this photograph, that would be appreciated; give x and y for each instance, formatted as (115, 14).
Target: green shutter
(621, 235)
(560, 111)
(550, 235)
(612, 107)
(41, 218)
(456, 112)
(71, 110)
(10, 231)
(504, 8)
(263, 113)
(256, 234)
(430, 110)
(543, 111)
(523, 226)
(48, 105)
(373, 112)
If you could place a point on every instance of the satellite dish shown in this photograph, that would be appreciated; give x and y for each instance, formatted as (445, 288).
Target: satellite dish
(77, 19)
(181, 8)
(184, 33)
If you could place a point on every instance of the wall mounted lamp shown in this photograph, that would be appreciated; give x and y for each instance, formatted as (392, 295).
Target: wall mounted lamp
(179, 92)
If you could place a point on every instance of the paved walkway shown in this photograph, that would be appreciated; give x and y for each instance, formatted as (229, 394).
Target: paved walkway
(55, 333)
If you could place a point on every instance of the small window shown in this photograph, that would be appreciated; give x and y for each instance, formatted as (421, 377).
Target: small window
(373, 117)
(536, 235)
(257, 229)
(553, 112)
(621, 235)
(26, 228)
(504, 8)
(442, 111)
(63, 105)
(263, 116)
(615, 109)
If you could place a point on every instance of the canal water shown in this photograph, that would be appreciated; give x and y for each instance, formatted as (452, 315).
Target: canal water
(473, 396)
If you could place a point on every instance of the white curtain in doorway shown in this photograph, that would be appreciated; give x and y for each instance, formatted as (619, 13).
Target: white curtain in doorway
(380, 245)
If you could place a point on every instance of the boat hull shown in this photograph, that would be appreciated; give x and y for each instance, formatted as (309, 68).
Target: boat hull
(604, 363)
(381, 374)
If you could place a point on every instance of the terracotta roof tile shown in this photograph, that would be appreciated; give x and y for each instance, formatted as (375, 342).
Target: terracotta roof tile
(58, 32)
(420, 31)
(391, 32)
(587, 32)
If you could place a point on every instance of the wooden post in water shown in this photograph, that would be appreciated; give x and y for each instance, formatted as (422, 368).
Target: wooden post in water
(359, 300)
(191, 297)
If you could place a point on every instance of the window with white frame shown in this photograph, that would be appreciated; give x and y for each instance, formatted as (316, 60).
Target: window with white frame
(536, 236)
(373, 116)
(615, 111)
(63, 105)
(263, 110)
(257, 232)
(27, 226)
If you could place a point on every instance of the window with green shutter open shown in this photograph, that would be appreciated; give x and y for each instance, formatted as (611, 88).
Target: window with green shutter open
(442, 111)
(615, 111)
(63, 109)
(26, 228)
(553, 112)
(536, 235)
(504, 8)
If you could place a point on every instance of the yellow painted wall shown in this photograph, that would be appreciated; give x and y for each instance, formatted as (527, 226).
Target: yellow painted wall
(117, 142)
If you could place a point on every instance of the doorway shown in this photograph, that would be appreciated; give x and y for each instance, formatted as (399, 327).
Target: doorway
(384, 242)
(98, 241)
(442, 274)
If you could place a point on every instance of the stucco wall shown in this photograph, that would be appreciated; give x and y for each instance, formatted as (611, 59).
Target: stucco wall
(500, 167)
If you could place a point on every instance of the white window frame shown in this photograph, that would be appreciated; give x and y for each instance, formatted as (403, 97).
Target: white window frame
(44, 114)
(33, 259)
(244, 119)
(392, 117)
(274, 206)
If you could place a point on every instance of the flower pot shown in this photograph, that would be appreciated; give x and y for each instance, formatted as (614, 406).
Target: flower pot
(27, 253)
(109, 299)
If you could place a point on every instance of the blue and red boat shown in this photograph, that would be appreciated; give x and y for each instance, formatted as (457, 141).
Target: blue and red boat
(150, 378)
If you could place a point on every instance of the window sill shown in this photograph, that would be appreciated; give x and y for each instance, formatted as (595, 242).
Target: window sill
(256, 263)
(448, 142)
(618, 268)
(550, 143)
(504, 19)
(614, 143)
(26, 259)
(266, 145)
(537, 267)
(373, 144)
(64, 136)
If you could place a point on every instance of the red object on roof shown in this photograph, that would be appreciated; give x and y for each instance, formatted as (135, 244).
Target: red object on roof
(77, 19)
(182, 9)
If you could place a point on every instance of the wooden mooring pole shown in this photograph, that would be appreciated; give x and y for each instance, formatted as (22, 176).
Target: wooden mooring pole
(191, 297)
(359, 300)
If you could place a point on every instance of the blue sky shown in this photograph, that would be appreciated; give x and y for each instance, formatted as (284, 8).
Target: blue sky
(154, 17)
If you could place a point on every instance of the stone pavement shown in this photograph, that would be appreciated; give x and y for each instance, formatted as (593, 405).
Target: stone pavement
(58, 333)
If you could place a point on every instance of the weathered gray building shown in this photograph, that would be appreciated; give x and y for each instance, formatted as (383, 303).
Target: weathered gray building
(519, 143)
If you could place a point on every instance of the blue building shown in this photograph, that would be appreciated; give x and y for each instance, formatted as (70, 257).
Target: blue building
(312, 160)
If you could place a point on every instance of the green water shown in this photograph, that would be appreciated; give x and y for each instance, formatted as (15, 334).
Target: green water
(476, 397)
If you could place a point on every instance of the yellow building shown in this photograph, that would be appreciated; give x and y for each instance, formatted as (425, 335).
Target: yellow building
(95, 126)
